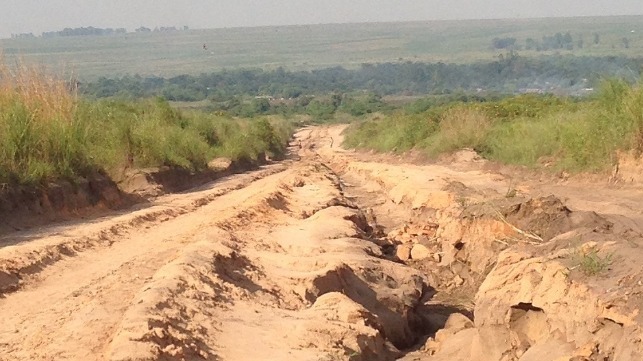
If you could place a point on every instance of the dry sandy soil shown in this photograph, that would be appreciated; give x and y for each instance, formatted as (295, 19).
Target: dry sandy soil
(337, 255)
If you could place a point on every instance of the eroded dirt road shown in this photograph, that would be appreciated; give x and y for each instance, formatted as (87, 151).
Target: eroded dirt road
(334, 255)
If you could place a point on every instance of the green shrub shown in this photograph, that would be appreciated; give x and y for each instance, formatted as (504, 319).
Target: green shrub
(396, 132)
(591, 263)
(46, 133)
(523, 141)
(527, 106)
(39, 137)
(460, 127)
(528, 130)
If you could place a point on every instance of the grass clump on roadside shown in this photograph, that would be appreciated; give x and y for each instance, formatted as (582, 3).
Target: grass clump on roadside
(40, 136)
(529, 130)
(591, 263)
(397, 132)
(460, 127)
(580, 138)
(47, 133)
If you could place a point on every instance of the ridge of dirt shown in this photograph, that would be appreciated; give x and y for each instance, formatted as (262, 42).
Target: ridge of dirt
(28, 207)
(25, 207)
(18, 261)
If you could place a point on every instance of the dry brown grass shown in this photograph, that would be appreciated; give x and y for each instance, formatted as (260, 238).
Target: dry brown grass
(45, 96)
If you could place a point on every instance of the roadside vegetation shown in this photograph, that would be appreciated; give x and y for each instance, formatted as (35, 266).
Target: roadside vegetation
(531, 130)
(590, 262)
(47, 133)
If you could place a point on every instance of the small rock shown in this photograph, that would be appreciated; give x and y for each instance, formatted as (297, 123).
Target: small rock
(420, 252)
(586, 351)
(423, 240)
(447, 258)
(158, 332)
(403, 252)
(405, 238)
(458, 281)
(589, 246)
(443, 335)
(457, 322)
(431, 346)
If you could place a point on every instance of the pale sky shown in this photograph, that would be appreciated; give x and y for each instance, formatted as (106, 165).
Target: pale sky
(18, 16)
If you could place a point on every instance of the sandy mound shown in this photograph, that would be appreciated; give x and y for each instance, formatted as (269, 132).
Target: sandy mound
(548, 217)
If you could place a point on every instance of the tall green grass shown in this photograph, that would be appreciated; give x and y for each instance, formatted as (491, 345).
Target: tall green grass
(528, 130)
(459, 127)
(48, 133)
(396, 132)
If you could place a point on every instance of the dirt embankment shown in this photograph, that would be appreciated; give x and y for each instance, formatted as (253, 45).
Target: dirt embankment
(519, 274)
(26, 207)
(334, 256)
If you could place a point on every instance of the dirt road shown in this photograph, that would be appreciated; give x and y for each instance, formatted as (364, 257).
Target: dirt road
(334, 255)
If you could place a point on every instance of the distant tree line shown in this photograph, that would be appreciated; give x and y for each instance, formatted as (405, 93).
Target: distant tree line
(92, 31)
(504, 43)
(144, 29)
(553, 42)
(510, 73)
(88, 31)
(23, 36)
(558, 41)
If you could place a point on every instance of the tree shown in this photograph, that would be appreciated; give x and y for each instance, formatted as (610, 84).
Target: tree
(503, 43)
(531, 44)
(260, 105)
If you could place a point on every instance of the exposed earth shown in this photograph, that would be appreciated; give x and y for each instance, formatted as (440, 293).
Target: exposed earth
(338, 255)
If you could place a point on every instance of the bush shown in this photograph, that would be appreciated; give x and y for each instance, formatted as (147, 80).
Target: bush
(524, 141)
(46, 133)
(525, 130)
(396, 132)
(461, 127)
(39, 136)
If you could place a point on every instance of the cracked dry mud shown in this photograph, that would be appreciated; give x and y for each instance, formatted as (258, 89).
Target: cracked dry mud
(336, 255)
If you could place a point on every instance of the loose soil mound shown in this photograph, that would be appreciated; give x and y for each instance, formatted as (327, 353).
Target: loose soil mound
(548, 217)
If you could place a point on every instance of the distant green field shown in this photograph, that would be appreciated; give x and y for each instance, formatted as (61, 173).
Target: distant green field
(315, 46)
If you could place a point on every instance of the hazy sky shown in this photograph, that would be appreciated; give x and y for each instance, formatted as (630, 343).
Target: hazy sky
(36, 16)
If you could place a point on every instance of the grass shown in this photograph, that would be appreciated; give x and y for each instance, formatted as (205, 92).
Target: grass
(579, 138)
(527, 130)
(591, 263)
(396, 132)
(315, 46)
(48, 133)
(460, 127)
(39, 134)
